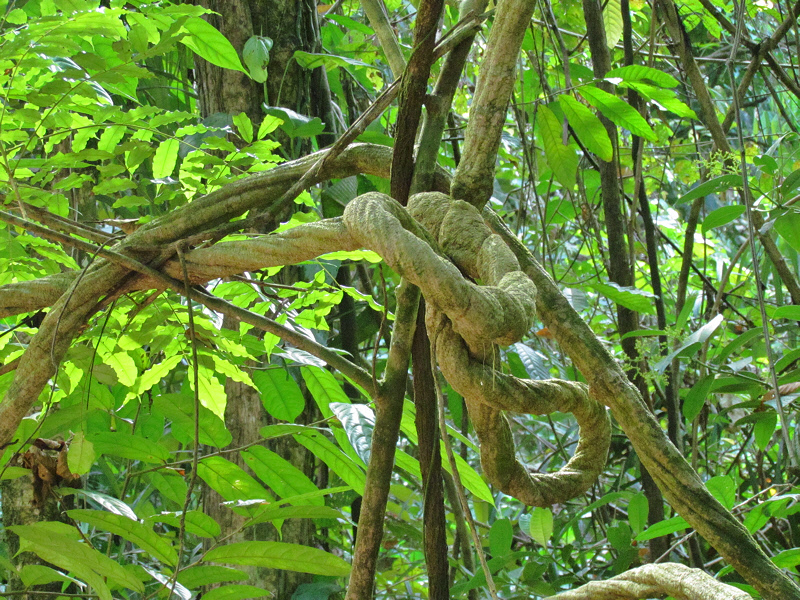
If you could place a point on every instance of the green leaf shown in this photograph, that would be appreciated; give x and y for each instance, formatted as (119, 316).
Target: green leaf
(691, 344)
(787, 559)
(171, 485)
(256, 57)
(337, 461)
(712, 186)
(501, 534)
(723, 489)
(210, 391)
(179, 408)
(230, 481)
(310, 60)
(541, 526)
(208, 43)
(272, 512)
(662, 528)
(118, 507)
(279, 555)
(244, 126)
(81, 455)
(638, 508)
(722, 216)
(41, 575)
(790, 184)
(324, 388)
(787, 312)
(132, 531)
(788, 226)
(358, 421)
(612, 18)
(165, 158)
(280, 394)
(665, 99)
(73, 556)
(135, 447)
(633, 73)
(195, 577)
(280, 475)
(587, 127)
(196, 522)
(696, 397)
(639, 300)
(764, 428)
(470, 478)
(236, 591)
(619, 112)
(563, 160)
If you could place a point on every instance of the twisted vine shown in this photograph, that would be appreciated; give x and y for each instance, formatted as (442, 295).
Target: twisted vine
(443, 247)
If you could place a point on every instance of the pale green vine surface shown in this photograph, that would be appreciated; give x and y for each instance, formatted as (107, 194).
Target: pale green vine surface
(466, 321)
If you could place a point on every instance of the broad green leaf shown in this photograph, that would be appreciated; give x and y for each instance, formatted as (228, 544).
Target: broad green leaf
(665, 99)
(117, 443)
(691, 344)
(208, 43)
(787, 312)
(14, 473)
(587, 127)
(244, 126)
(236, 591)
(639, 300)
(324, 388)
(170, 484)
(230, 481)
(279, 555)
(280, 475)
(790, 184)
(165, 158)
(541, 525)
(81, 455)
(787, 559)
(662, 528)
(280, 394)
(310, 60)
(153, 375)
(211, 391)
(612, 18)
(256, 57)
(638, 507)
(41, 575)
(501, 534)
(788, 226)
(337, 461)
(723, 489)
(563, 160)
(712, 186)
(633, 73)
(273, 512)
(196, 522)
(109, 503)
(179, 408)
(764, 428)
(469, 478)
(195, 577)
(76, 557)
(131, 531)
(722, 216)
(619, 112)
(696, 397)
(358, 421)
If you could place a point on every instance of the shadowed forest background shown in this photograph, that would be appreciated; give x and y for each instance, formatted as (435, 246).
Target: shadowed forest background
(399, 299)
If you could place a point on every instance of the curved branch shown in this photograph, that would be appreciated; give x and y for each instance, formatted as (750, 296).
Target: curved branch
(648, 581)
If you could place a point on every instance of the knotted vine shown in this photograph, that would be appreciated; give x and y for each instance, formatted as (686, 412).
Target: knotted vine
(478, 299)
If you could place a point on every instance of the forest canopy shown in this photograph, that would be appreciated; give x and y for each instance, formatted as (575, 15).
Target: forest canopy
(399, 299)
